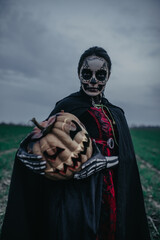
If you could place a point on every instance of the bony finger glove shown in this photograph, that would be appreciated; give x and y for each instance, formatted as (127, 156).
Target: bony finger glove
(31, 161)
(96, 163)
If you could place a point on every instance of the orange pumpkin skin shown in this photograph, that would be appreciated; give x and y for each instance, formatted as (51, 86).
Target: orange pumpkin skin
(65, 148)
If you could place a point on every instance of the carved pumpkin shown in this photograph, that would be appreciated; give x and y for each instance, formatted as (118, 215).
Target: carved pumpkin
(64, 143)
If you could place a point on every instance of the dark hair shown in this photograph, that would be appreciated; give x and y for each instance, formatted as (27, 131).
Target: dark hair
(97, 51)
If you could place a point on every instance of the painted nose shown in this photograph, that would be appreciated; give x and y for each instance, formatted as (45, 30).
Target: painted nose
(93, 81)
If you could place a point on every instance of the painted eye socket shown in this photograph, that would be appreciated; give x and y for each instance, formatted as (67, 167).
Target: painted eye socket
(101, 75)
(86, 74)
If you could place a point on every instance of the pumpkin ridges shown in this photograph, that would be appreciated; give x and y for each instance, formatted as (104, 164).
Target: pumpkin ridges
(72, 145)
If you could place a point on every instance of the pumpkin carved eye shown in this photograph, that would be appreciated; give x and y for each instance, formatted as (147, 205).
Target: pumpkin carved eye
(65, 146)
(53, 157)
(75, 130)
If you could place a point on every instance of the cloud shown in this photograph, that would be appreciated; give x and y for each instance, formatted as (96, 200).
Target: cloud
(40, 46)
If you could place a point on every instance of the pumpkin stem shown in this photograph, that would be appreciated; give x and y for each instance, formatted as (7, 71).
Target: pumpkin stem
(37, 124)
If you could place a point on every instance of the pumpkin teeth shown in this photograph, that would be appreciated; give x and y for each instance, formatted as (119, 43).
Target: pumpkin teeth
(74, 154)
(80, 147)
(86, 145)
(50, 170)
(85, 139)
(64, 169)
(69, 162)
(75, 160)
(60, 167)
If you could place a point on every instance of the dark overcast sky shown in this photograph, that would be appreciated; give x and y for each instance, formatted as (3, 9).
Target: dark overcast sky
(41, 43)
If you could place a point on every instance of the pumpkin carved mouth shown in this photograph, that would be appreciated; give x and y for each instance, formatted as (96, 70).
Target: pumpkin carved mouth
(64, 144)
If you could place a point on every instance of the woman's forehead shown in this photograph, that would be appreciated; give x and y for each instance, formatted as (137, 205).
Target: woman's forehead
(94, 63)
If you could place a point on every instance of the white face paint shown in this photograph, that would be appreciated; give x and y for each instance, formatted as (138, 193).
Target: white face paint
(94, 75)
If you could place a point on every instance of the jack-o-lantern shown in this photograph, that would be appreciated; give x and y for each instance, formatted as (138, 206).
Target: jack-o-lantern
(64, 143)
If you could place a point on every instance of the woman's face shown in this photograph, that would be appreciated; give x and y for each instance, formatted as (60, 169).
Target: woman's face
(94, 75)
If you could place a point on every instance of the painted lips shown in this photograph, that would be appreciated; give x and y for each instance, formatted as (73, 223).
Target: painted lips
(92, 89)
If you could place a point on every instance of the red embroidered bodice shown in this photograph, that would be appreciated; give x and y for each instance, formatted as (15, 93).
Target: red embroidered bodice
(107, 142)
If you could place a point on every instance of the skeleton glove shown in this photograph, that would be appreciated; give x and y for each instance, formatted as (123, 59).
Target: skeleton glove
(96, 163)
(31, 161)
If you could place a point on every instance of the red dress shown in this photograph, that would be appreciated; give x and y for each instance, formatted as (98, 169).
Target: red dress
(107, 142)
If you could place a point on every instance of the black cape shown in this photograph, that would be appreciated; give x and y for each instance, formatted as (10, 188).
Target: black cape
(39, 208)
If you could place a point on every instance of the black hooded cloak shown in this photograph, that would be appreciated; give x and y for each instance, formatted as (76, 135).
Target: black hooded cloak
(39, 208)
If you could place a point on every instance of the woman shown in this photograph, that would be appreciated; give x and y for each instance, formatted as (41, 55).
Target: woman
(103, 200)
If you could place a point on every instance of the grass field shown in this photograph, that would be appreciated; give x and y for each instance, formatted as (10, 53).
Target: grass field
(10, 138)
(147, 147)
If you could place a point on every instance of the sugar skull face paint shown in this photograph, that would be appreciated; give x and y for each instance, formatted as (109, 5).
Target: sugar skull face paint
(93, 75)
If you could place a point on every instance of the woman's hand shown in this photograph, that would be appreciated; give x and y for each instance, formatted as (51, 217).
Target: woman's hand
(31, 161)
(96, 163)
